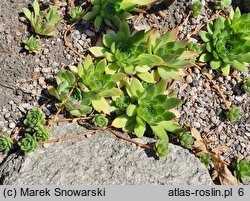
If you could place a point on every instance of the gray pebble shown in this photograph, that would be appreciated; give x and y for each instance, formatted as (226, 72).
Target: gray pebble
(12, 125)
(7, 115)
(90, 33)
(189, 79)
(45, 51)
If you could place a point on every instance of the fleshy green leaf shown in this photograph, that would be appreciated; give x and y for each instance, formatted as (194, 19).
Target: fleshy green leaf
(131, 110)
(146, 76)
(160, 132)
(239, 66)
(140, 129)
(97, 51)
(27, 13)
(215, 64)
(205, 57)
(205, 36)
(120, 122)
(101, 104)
(171, 126)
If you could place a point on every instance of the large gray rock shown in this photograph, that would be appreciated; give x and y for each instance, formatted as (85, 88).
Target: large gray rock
(101, 158)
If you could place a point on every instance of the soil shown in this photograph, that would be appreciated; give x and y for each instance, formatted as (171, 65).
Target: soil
(24, 77)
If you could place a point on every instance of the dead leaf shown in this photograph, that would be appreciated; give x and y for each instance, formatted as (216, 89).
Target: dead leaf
(220, 149)
(199, 146)
(196, 134)
(226, 177)
(214, 175)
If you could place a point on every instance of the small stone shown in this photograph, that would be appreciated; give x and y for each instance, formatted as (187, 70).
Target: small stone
(45, 51)
(12, 125)
(54, 64)
(238, 98)
(197, 124)
(36, 69)
(206, 129)
(238, 148)
(189, 79)
(195, 83)
(11, 102)
(46, 70)
(193, 21)
(2, 123)
(7, 115)
(90, 33)
(218, 111)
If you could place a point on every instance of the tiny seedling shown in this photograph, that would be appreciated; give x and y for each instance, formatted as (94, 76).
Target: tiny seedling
(222, 4)
(206, 159)
(246, 85)
(233, 114)
(43, 22)
(32, 44)
(197, 8)
(76, 13)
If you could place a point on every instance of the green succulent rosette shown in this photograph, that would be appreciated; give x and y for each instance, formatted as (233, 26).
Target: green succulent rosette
(161, 148)
(41, 133)
(206, 159)
(43, 22)
(227, 42)
(28, 144)
(242, 169)
(233, 114)
(186, 139)
(6, 144)
(246, 85)
(34, 118)
(100, 121)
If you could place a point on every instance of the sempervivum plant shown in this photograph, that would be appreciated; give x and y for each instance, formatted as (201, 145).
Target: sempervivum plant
(170, 56)
(41, 133)
(112, 11)
(246, 85)
(76, 104)
(186, 139)
(226, 44)
(100, 121)
(222, 4)
(97, 85)
(233, 114)
(6, 144)
(122, 50)
(28, 144)
(34, 118)
(43, 22)
(32, 44)
(161, 148)
(139, 52)
(206, 159)
(148, 107)
(242, 169)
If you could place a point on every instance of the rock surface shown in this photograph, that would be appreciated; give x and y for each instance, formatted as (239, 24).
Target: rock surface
(100, 158)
